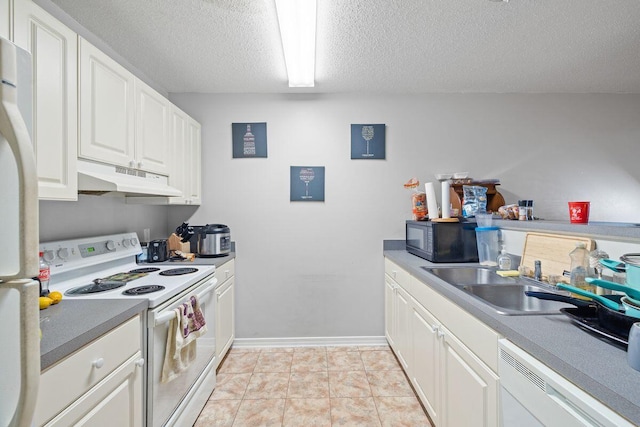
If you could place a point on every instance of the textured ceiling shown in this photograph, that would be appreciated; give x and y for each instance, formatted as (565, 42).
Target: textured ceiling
(393, 46)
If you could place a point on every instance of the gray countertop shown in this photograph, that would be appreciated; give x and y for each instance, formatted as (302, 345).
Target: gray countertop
(592, 364)
(72, 324)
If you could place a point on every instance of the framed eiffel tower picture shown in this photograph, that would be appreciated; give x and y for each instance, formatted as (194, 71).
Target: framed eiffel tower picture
(368, 141)
(249, 140)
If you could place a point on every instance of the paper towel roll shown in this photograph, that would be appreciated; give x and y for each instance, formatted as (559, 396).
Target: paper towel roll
(446, 203)
(432, 203)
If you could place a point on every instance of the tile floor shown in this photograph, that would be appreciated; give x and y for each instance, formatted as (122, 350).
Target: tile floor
(312, 386)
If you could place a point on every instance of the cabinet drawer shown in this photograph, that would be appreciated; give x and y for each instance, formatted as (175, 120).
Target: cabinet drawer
(225, 271)
(66, 381)
(402, 277)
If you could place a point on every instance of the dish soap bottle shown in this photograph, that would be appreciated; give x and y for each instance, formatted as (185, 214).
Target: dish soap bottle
(579, 263)
(504, 260)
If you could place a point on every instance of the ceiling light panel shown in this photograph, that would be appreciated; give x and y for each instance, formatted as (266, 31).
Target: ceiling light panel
(297, 21)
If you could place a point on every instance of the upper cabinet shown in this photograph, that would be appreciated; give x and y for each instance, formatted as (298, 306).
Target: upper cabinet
(152, 129)
(123, 121)
(186, 171)
(107, 109)
(54, 49)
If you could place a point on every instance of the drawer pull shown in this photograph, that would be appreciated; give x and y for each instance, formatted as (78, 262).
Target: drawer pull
(140, 362)
(98, 363)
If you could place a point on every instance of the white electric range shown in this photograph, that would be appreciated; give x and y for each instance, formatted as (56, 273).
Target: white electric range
(104, 267)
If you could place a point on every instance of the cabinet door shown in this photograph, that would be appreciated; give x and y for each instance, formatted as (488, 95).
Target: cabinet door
(152, 129)
(390, 320)
(426, 360)
(403, 340)
(107, 110)
(54, 49)
(179, 148)
(469, 388)
(116, 401)
(225, 329)
(195, 170)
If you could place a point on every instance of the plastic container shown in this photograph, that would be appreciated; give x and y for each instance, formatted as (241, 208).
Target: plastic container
(484, 219)
(43, 276)
(579, 265)
(579, 212)
(487, 239)
(504, 260)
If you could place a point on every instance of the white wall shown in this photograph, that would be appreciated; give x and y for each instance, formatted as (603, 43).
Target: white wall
(99, 215)
(315, 269)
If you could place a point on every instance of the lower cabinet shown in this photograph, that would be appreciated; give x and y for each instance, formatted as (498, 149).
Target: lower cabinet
(455, 385)
(99, 385)
(225, 313)
(469, 388)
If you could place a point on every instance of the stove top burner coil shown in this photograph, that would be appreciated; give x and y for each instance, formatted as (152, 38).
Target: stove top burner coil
(97, 286)
(141, 290)
(144, 270)
(178, 271)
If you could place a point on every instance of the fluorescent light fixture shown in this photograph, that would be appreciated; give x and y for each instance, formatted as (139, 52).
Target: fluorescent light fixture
(297, 20)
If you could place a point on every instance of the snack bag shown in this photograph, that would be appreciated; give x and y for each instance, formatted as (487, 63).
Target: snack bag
(474, 200)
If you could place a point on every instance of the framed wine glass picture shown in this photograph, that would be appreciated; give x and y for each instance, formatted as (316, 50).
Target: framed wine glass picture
(249, 140)
(307, 184)
(368, 141)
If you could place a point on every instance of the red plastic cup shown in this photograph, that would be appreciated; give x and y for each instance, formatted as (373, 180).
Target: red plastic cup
(579, 212)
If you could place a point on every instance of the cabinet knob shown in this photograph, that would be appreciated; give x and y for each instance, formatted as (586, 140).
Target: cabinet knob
(98, 363)
(393, 273)
(440, 333)
(140, 362)
(140, 164)
(434, 328)
(132, 164)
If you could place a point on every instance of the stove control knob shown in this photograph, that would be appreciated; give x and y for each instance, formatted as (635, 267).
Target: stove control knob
(111, 245)
(63, 253)
(134, 241)
(48, 256)
(126, 243)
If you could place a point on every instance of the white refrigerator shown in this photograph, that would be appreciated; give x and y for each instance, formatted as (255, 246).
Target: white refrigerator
(19, 311)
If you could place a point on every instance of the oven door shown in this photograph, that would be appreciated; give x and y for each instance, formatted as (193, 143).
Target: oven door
(167, 401)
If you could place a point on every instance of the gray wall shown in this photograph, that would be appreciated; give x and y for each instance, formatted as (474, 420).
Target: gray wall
(98, 215)
(315, 269)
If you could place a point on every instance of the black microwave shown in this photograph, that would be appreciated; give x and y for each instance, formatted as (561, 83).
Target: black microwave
(442, 241)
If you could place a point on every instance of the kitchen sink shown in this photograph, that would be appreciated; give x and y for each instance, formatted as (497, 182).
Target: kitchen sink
(506, 295)
(470, 275)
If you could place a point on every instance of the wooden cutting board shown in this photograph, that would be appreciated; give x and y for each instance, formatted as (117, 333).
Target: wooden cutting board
(552, 250)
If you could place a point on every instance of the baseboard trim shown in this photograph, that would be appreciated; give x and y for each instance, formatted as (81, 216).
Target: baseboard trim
(309, 342)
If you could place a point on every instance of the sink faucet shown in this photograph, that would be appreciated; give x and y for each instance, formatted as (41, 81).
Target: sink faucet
(537, 275)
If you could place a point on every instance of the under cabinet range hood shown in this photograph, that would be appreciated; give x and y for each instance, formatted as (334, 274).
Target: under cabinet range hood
(97, 179)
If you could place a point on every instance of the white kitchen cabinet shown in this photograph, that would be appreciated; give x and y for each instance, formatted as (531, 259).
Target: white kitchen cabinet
(194, 168)
(425, 375)
(186, 174)
(398, 312)
(152, 123)
(455, 378)
(225, 311)
(99, 385)
(54, 49)
(469, 387)
(5, 19)
(107, 109)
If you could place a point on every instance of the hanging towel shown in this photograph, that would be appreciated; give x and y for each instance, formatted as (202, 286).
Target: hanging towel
(187, 324)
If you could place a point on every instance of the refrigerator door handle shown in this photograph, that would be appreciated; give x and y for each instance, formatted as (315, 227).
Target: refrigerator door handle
(14, 130)
(30, 350)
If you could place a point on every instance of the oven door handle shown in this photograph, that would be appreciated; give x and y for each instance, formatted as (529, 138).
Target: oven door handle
(169, 315)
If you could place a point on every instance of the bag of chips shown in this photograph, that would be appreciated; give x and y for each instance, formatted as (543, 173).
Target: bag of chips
(474, 200)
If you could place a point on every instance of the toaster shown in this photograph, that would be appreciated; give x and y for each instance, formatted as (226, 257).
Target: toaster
(157, 251)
